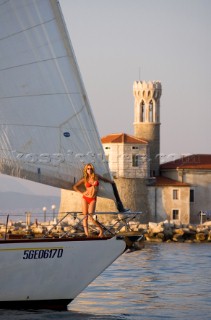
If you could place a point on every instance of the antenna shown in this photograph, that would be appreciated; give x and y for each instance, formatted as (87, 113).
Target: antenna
(139, 73)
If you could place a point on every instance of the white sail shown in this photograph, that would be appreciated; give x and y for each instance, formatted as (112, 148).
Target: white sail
(47, 130)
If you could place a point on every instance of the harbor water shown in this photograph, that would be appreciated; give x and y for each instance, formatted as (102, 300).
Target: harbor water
(161, 281)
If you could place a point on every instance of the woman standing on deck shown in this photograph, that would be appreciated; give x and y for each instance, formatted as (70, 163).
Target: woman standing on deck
(91, 182)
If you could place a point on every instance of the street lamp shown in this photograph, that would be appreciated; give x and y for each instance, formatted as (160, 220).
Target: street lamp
(44, 209)
(53, 207)
(28, 220)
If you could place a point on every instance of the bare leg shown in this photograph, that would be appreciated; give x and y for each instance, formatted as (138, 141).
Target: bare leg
(85, 219)
(91, 211)
(85, 225)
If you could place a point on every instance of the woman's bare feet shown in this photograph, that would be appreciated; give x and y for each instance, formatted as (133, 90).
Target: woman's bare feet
(101, 233)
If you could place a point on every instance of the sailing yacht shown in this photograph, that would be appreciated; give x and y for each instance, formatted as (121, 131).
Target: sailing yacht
(47, 134)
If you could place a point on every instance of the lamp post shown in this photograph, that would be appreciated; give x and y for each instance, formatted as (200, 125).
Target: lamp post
(53, 207)
(44, 209)
(28, 220)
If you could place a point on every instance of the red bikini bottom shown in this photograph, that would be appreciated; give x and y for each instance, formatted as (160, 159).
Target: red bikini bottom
(89, 200)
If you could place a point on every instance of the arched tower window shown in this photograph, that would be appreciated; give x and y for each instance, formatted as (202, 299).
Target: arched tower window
(142, 111)
(151, 113)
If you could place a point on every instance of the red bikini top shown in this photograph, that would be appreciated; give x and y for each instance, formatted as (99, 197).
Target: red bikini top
(95, 184)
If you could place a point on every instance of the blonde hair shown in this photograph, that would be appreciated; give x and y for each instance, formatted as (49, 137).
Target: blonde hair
(86, 176)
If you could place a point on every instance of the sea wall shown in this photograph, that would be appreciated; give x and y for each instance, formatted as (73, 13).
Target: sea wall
(169, 231)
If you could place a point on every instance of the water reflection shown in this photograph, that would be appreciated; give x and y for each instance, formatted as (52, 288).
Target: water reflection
(163, 280)
(46, 314)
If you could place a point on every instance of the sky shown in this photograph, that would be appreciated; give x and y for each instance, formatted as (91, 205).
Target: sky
(117, 42)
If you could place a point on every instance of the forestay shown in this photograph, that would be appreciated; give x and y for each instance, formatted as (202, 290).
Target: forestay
(47, 130)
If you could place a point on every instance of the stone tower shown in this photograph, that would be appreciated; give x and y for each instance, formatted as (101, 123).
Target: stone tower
(147, 119)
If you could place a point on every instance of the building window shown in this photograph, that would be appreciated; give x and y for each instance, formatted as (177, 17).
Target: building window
(175, 194)
(142, 112)
(151, 112)
(175, 214)
(152, 173)
(191, 195)
(107, 148)
(136, 148)
(136, 160)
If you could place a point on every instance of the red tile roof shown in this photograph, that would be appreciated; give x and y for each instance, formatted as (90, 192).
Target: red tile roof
(122, 138)
(194, 161)
(163, 181)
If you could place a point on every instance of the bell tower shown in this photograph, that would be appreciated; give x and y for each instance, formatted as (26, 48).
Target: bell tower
(147, 118)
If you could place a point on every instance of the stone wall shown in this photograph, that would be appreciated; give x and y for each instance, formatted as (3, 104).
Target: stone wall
(162, 203)
(120, 157)
(200, 183)
(151, 133)
(133, 193)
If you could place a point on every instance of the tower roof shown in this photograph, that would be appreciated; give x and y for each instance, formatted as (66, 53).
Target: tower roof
(194, 161)
(122, 138)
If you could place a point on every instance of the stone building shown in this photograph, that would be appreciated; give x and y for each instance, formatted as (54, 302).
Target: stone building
(128, 161)
(127, 155)
(134, 160)
(195, 172)
(169, 200)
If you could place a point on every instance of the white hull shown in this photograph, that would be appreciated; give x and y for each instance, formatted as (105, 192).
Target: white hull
(52, 272)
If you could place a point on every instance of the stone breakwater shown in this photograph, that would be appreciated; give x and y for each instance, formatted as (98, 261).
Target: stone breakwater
(38, 229)
(166, 231)
(173, 231)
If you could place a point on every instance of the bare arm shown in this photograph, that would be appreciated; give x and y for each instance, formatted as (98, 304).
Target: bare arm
(105, 179)
(77, 184)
